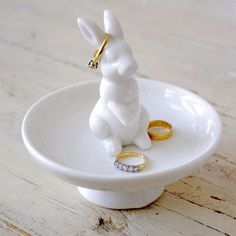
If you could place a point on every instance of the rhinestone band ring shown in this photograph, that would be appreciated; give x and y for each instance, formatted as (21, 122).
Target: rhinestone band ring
(130, 168)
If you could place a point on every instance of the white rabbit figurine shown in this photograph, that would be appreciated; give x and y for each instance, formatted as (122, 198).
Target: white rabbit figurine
(118, 118)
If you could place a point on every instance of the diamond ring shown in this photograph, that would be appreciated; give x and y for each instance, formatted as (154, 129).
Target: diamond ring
(93, 64)
(127, 167)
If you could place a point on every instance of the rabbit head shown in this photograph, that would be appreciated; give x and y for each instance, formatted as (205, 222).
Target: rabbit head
(117, 61)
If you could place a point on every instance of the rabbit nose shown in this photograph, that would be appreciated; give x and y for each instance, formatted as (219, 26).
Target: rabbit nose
(127, 65)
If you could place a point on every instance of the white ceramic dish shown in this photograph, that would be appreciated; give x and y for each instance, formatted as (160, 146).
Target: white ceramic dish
(55, 131)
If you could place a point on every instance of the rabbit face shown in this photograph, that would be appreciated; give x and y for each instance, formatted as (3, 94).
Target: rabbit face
(117, 62)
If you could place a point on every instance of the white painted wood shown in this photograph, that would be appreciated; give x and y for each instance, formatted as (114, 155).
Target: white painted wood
(187, 43)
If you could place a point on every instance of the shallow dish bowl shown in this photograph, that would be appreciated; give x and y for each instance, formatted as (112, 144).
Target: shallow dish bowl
(55, 131)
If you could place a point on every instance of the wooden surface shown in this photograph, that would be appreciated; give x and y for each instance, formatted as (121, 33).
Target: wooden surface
(188, 43)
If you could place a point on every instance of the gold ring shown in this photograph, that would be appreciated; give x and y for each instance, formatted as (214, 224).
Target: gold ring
(93, 64)
(130, 168)
(160, 135)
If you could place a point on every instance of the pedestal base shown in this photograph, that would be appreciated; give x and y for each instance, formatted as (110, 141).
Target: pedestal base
(121, 200)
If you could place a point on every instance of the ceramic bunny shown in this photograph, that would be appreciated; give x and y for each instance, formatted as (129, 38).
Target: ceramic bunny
(118, 118)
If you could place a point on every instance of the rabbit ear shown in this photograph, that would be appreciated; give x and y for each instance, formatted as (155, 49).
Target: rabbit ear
(112, 25)
(91, 32)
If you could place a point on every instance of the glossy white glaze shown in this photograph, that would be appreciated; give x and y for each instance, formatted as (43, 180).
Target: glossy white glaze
(55, 138)
(118, 119)
(122, 200)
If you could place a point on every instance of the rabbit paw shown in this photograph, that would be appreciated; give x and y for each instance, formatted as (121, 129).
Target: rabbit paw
(143, 141)
(112, 146)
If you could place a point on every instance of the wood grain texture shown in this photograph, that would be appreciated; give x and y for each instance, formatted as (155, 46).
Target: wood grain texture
(188, 43)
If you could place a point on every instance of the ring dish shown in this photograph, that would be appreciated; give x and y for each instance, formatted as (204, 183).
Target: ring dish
(55, 131)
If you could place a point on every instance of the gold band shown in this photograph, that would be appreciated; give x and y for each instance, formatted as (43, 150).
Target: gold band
(93, 64)
(130, 168)
(160, 135)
